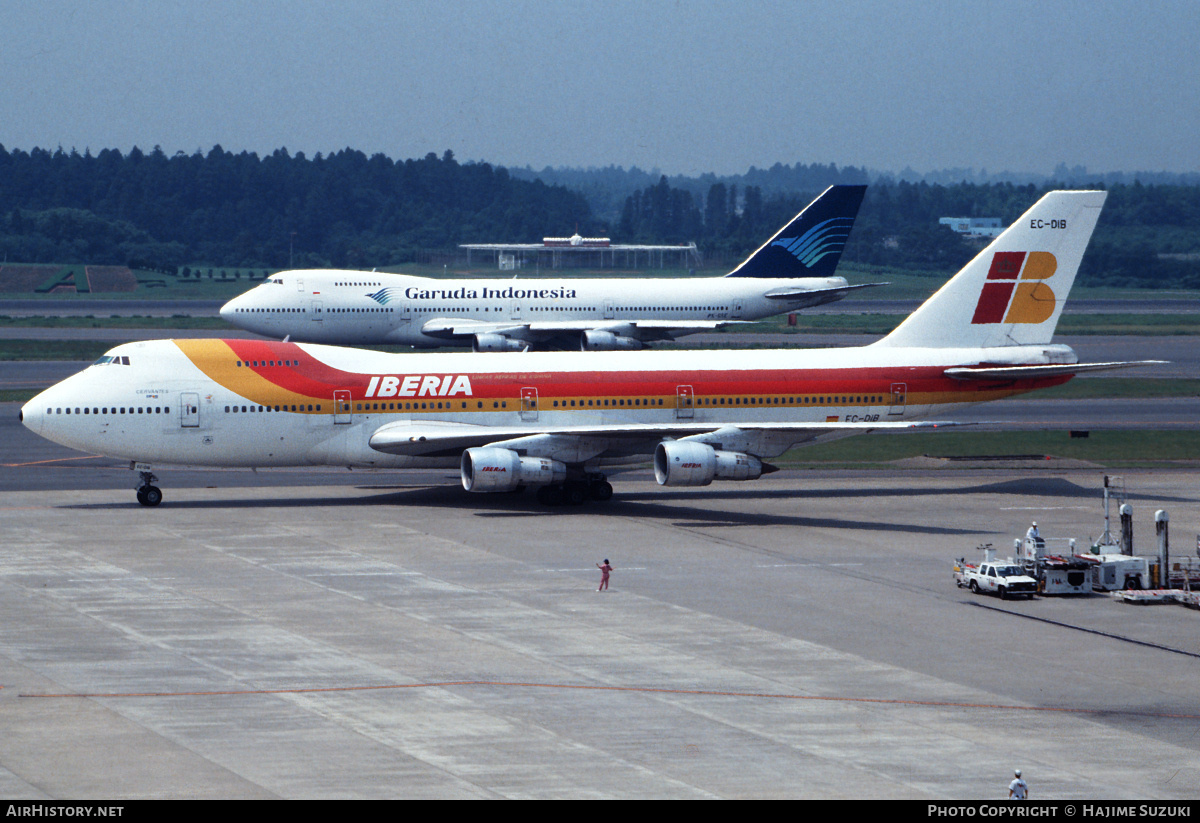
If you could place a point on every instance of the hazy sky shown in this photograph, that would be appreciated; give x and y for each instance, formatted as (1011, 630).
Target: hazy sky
(687, 87)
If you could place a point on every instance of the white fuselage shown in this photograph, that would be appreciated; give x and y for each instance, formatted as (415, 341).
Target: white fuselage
(349, 308)
(244, 403)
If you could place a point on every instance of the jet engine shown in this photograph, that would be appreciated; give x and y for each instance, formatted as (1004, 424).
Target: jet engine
(595, 340)
(497, 342)
(491, 469)
(685, 463)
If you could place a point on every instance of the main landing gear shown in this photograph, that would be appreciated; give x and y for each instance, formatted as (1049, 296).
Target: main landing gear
(576, 492)
(147, 493)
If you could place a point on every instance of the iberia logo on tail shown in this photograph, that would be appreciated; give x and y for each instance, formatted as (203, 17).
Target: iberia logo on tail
(1015, 291)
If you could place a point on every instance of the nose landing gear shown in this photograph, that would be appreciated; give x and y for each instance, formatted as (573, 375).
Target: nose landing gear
(147, 493)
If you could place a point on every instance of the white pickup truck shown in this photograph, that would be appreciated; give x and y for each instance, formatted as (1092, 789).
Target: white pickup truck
(1006, 579)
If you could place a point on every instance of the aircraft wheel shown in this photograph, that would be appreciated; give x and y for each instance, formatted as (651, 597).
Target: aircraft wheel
(551, 495)
(576, 493)
(602, 490)
(149, 495)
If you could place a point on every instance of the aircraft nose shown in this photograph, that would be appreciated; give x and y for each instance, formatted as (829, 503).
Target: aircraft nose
(31, 415)
(228, 310)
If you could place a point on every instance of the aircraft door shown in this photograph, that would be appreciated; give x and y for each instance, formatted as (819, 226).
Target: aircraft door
(737, 309)
(898, 398)
(189, 410)
(609, 309)
(318, 313)
(529, 403)
(685, 403)
(514, 310)
(341, 407)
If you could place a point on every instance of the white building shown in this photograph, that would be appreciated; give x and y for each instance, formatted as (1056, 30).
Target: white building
(974, 226)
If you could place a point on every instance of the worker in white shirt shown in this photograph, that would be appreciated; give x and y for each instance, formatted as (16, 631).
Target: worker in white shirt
(1018, 789)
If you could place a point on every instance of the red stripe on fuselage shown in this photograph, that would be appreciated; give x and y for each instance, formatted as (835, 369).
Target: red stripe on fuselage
(313, 378)
(310, 378)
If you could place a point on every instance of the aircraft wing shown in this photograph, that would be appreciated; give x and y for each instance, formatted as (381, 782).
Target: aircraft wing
(576, 444)
(457, 327)
(448, 327)
(678, 325)
(1052, 370)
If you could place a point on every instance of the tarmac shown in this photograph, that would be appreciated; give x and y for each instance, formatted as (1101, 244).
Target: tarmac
(360, 635)
(318, 633)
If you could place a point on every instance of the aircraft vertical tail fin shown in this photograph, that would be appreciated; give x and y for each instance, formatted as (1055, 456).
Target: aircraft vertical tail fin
(811, 244)
(1012, 293)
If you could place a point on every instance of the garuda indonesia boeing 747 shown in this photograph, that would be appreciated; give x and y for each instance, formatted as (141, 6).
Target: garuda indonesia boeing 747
(555, 420)
(793, 270)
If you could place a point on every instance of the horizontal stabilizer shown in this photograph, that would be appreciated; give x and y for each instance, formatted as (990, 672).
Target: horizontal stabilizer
(820, 296)
(1027, 372)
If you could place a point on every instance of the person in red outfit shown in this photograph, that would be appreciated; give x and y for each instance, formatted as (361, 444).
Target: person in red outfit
(605, 570)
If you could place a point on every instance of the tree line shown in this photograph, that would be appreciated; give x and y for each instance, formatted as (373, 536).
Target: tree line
(1147, 236)
(344, 209)
(348, 210)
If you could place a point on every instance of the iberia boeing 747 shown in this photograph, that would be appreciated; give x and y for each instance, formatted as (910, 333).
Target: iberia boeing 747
(555, 420)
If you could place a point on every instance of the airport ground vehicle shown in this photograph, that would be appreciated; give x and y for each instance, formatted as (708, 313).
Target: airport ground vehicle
(1005, 578)
(1116, 572)
(1055, 572)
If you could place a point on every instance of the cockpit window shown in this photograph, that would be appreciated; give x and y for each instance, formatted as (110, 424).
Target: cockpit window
(113, 359)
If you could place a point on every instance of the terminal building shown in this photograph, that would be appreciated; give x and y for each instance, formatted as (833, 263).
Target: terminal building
(974, 226)
(582, 252)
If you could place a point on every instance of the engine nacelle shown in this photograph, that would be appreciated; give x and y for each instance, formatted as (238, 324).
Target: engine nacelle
(595, 340)
(503, 470)
(497, 342)
(685, 463)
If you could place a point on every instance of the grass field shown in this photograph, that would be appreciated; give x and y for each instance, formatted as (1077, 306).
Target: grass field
(1109, 448)
(178, 321)
(881, 324)
(903, 284)
(872, 324)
